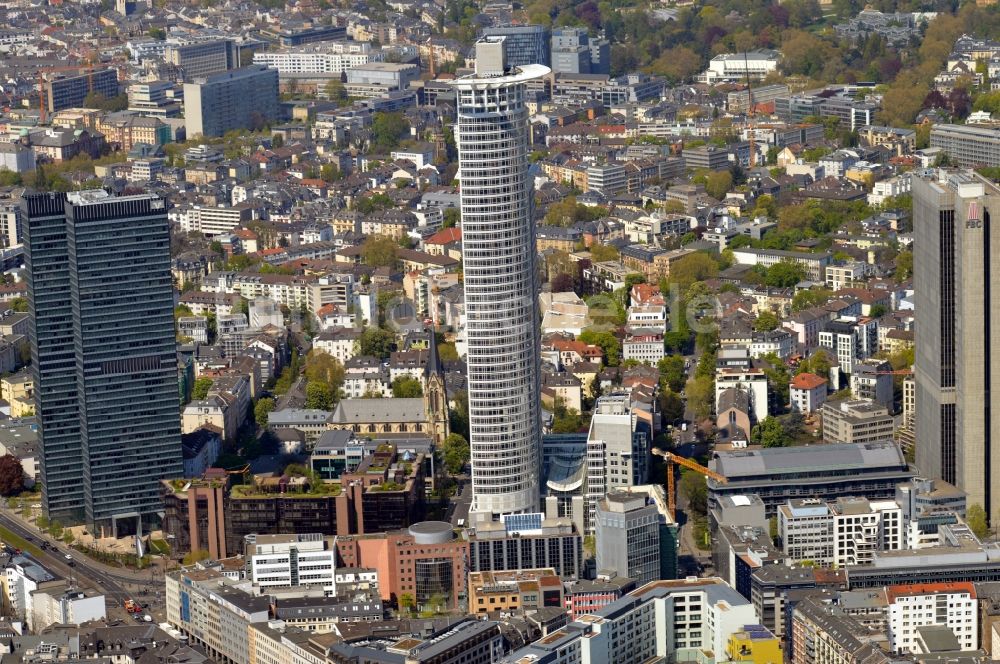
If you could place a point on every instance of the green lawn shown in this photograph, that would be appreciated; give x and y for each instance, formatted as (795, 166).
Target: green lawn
(18, 542)
(159, 546)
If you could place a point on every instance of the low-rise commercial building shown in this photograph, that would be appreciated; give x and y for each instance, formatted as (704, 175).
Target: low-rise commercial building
(856, 421)
(827, 472)
(514, 591)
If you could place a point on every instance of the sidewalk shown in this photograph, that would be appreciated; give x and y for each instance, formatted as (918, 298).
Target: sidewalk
(118, 573)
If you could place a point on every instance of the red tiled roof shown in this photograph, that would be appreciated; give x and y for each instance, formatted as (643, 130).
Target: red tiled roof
(807, 381)
(894, 592)
(445, 236)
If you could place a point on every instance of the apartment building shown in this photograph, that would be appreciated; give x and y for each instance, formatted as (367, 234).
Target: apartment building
(847, 531)
(295, 292)
(807, 392)
(821, 633)
(856, 421)
(845, 275)
(206, 606)
(753, 382)
(911, 607)
(693, 617)
(872, 381)
(850, 339)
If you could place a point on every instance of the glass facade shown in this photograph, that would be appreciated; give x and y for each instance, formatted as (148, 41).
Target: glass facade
(104, 355)
(500, 277)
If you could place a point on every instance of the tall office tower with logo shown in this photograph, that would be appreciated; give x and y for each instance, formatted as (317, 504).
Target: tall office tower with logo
(104, 356)
(501, 283)
(957, 294)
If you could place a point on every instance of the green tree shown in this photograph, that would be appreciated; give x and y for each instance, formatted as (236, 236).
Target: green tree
(698, 266)
(9, 178)
(330, 173)
(379, 251)
(766, 321)
(407, 387)
(200, 389)
(458, 414)
(818, 363)
(195, 556)
(407, 602)
(324, 368)
(975, 518)
(600, 253)
(904, 265)
(567, 212)
(810, 297)
(671, 405)
(452, 217)
(335, 91)
(608, 342)
(770, 433)
(377, 342)
(694, 488)
(388, 129)
(455, 453)
(20, 304)
(784, 275)
(101, 102)
(700, 393)
(672, 372)
(319, 395)
(718, 184)
(261, 409)
(567, 420)
(877, 311)
(447, 351)
(778, 377)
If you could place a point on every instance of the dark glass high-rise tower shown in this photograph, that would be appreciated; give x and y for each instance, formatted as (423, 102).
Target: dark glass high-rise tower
(956, 297)
(103, 355)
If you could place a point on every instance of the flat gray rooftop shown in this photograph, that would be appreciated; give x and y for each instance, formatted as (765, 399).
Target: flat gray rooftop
(808, 458)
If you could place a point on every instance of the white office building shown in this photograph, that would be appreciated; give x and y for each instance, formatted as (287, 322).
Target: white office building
(911, 607)
(733, 67)
(498, 248)
(849, 531)
(688, 619)
(283, 561)
(319, 57)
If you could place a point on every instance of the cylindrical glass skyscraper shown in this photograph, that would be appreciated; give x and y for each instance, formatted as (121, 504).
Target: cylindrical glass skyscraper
(501, 284)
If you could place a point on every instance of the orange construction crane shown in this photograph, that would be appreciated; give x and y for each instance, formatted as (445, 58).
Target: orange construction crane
(673, 459)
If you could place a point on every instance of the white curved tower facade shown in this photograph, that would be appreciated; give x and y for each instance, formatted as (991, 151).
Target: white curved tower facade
(501, 284)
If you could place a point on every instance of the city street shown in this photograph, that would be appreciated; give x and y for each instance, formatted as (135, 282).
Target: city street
(145, 587)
